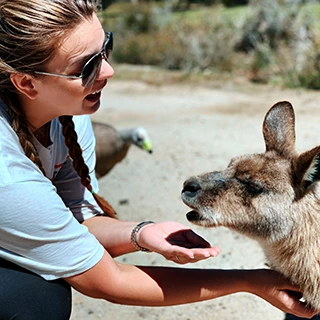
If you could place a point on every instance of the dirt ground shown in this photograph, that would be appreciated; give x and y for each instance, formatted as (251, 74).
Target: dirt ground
(194, 128)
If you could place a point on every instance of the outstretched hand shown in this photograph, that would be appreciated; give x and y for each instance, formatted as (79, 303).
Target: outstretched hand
(176, 242)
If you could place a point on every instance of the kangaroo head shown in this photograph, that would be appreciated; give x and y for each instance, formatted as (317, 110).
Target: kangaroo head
(258, 194)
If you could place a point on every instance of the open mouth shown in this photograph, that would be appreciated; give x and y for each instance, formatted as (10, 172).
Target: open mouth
(193, 216)
(93, 97)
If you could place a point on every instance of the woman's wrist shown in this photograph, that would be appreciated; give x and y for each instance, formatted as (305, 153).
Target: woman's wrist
(256, 280)
(135, 233)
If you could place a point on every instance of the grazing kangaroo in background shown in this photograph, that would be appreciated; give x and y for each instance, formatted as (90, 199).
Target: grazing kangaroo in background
(273, 198)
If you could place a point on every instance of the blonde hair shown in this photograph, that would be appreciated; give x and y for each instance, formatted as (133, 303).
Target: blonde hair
(30, 32)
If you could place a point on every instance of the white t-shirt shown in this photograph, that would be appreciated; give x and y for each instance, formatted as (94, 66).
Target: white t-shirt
(39, 216)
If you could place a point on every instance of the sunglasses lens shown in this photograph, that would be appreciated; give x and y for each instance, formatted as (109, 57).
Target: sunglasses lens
(91, 70)
(109, 46)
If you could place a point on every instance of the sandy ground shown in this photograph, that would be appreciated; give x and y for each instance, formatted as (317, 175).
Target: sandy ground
(194, 129)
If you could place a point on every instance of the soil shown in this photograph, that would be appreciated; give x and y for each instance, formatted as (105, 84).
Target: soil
(195, 127)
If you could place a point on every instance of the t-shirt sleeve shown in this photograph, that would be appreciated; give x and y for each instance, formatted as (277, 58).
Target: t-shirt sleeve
(39, 233)
(37, 230)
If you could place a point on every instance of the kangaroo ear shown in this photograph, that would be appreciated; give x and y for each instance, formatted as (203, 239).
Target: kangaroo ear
(279, 128)
(308, 168)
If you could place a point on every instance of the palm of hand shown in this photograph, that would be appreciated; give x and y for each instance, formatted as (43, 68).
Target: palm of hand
(176, 242)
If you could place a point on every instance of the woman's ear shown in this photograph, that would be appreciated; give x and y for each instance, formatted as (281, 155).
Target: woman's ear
(24, 83)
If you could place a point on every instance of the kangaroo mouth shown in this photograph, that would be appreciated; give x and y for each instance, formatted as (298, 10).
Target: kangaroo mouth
(193, 216)
(203, 219)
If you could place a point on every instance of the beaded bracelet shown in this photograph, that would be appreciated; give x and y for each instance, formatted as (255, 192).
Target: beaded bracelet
(134, 233)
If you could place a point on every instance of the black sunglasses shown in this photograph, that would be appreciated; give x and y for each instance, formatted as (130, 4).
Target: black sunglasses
(92, 67)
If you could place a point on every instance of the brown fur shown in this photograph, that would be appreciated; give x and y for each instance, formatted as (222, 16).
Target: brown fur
(273, 198)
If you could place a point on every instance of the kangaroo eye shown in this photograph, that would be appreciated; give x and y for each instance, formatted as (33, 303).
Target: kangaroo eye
(254, 188)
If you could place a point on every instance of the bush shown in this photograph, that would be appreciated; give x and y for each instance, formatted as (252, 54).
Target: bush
(279, 37)
(141, 49)
(300, 63)
(273, 39)
(270, 22)
(207, 46)
(125, 18)
(233, 3)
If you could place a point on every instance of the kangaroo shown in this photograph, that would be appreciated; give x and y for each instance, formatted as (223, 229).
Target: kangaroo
(272, 197)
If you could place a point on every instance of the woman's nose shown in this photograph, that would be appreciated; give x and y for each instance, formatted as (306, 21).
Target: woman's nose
(106, 71)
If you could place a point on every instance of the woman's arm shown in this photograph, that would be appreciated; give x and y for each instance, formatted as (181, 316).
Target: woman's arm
(172, 240)
(164, 286)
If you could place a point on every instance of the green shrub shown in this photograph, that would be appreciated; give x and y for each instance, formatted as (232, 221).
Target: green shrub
(141, 49)
(130, 17)
(302, 68)
(234, 3)
(271, 39)
(207, 46)
(270, 22)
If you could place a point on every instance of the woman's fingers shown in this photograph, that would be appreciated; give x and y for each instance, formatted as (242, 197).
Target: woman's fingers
(293, 304)
(183, 255)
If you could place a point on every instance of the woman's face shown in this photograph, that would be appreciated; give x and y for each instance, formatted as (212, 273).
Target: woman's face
(59, 96)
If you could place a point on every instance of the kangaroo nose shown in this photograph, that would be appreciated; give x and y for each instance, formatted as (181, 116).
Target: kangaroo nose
(191, 187)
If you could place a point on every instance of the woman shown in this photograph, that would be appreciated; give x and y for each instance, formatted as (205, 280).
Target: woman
(55, 231)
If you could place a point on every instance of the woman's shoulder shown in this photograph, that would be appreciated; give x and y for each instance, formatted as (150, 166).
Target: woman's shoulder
(83, 127)
(82, 122)
(4, 111)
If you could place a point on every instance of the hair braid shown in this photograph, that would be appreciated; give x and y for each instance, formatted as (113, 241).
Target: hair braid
(71, 140)
(21, 127)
